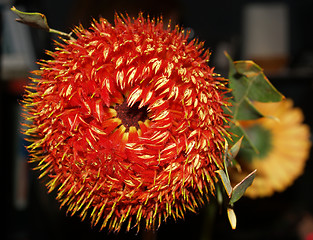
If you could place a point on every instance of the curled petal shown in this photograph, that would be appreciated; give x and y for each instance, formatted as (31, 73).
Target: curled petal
(127, 123)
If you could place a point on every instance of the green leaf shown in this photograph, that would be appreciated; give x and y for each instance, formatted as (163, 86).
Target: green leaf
(261, 138)
(244, 110)
(232, 218)
(225, 181)
(241, 187)
(253, 77)
(230, 160)
(232, 153)
(248, 84)
(38, 20)
(238, 132)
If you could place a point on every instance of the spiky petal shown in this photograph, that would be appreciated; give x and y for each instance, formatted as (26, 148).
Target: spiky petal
(103, 164)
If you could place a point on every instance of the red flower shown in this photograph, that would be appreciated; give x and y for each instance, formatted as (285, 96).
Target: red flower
(127, 122)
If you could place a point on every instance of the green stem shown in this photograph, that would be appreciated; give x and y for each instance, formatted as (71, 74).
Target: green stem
(208, 221)
(68, 35)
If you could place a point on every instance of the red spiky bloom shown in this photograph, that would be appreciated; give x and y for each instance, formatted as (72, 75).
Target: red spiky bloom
(127, 122)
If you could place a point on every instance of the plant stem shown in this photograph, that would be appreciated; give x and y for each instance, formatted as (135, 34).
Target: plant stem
(68, 35)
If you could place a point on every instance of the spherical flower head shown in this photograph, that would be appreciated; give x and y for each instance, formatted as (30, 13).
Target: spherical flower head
(127, 122)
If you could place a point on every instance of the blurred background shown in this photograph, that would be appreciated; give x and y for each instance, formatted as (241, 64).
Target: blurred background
(276, 34)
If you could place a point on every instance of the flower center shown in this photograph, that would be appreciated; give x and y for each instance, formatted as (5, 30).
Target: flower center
(131, 115)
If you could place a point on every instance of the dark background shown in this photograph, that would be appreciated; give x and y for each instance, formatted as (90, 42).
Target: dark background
(286, 215)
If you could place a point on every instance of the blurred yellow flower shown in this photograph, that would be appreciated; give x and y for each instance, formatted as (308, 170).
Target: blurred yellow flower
(284, 146)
